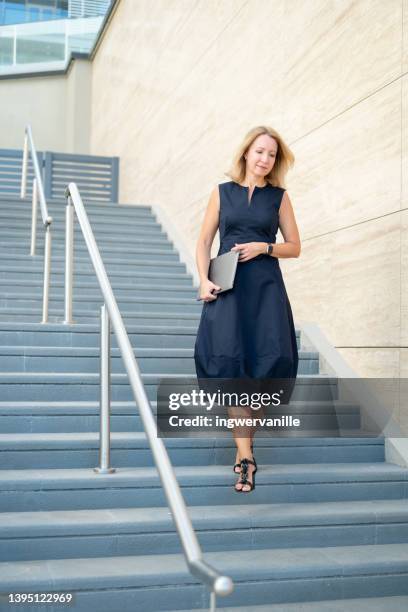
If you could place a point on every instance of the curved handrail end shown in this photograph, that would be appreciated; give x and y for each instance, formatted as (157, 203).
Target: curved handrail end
(221, 585)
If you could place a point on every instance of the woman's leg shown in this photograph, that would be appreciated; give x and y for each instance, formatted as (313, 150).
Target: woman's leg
(258, 413)
(243, 436)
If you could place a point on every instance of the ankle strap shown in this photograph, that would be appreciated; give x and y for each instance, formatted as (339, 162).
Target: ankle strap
(245, 460)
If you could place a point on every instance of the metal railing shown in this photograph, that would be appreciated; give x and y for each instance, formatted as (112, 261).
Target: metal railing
(38, 192)
(219, 584)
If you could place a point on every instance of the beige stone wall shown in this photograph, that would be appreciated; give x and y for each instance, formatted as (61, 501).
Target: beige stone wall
(176, 84)
(57, 107)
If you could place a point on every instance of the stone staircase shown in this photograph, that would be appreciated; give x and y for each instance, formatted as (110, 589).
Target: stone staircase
(325, 529)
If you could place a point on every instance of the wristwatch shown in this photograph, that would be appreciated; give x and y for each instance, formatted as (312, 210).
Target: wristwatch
(270, 249)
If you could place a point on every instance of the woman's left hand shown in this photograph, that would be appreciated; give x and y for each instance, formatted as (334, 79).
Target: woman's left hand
(248, 250)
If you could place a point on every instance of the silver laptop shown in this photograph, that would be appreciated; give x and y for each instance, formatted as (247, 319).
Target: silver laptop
(222, 271)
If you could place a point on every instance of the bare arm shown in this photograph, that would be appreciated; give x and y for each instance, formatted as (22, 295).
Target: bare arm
(208, 230)
(287, 225)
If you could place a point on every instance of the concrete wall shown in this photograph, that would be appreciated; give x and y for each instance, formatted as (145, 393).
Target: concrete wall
(188, 78)
(57, 106)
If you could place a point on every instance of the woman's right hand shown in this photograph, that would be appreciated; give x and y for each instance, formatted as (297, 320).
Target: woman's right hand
(206, 288)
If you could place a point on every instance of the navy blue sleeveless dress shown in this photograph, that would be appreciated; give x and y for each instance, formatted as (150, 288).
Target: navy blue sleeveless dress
(248, 331)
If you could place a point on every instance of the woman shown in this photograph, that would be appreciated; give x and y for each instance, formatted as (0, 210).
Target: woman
(248, 331)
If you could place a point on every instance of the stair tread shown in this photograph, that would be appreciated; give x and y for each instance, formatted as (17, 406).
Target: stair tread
(85, 298)
(85, 261)
(58, 219)
(60, 284)
(93, 351)
(95, 313)
(197, 476)
(159, 519)
(396, 603)
(93, 327)
(91, 273)
(84, 404)
(119, 439)
(154, 570)
(118, 378)
(102, 204)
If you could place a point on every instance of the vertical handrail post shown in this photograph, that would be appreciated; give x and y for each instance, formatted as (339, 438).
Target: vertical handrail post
(105, 396)
(34, 218)
(47, 273)
(24, 168)
(69, 259)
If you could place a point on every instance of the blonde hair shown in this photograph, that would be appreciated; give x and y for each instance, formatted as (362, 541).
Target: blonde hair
(283, 162)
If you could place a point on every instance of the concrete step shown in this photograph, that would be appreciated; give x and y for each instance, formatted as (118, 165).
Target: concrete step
(98, 223)
(162, 582)
(362, 604)
(81, 450)
(162, 276)
(85, 304)
(33, 333)
(121, 265)
(57, 210)
(108, 239)
(39, 386)
(11, 203)
(74, 489)
(58, 247)
(144, 317)
(22, 219)
(16, 254)
(35, 287)
(125, 531)
(99, 228)
(56, 417)
(87, 359)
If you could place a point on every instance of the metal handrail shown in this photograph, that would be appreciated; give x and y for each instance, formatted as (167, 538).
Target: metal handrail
(38, 191)
(218, 583)
(105, 396)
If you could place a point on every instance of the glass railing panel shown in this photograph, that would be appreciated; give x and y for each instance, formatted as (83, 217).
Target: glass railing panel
(45, 45)
(40, 42)
(6, 46)
(82, 33)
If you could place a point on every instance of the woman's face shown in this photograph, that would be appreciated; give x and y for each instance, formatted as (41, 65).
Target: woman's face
(261, 155)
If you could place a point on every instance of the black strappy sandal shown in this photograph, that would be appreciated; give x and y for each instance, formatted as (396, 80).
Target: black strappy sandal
(238, 465)
(244, 476)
